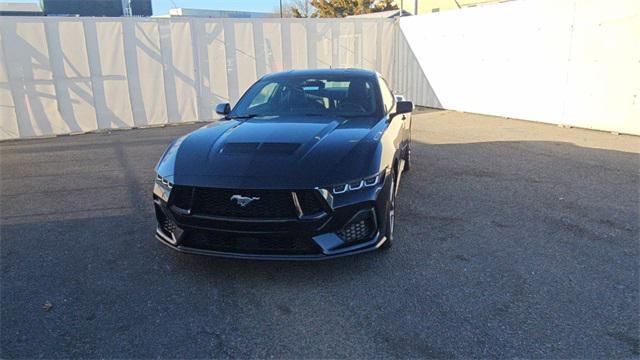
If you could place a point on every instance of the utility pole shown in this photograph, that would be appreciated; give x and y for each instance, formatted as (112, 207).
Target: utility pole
(126, 8)
(281, 9)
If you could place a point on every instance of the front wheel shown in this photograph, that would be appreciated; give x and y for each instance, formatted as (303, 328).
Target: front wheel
(391, 212)
(407, 159)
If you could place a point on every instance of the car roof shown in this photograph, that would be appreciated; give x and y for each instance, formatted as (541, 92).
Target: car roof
(321, 72)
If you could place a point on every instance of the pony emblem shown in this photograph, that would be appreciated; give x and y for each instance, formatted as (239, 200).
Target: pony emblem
(243, 200)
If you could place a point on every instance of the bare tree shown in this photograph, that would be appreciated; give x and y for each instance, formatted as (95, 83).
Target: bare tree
(286, 10)
(342, 8)
(295, 8)
(300, 8)
(333, 8)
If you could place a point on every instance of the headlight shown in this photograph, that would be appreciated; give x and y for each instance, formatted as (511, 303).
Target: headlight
(162, 188)
(357, 184)
(164, 183)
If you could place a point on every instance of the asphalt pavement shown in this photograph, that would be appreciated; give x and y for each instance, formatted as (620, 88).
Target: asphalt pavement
(514, 239)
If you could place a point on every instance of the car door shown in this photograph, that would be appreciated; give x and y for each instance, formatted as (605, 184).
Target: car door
(407, 121)
(403, 121)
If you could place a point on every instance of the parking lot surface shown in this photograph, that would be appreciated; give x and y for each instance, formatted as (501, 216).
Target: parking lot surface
(514, 239)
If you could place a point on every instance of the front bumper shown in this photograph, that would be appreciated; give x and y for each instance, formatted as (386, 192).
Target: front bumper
(316, 238)
(371, 245)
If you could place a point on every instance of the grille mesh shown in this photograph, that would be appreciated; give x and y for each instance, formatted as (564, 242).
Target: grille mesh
(309, 202)
(358, 230)
(181, 196)
(167, 226)
(226, 242)
(271, 204)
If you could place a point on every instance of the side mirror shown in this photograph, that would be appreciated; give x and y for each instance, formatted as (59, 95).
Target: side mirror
(403, 107)
(223, 108)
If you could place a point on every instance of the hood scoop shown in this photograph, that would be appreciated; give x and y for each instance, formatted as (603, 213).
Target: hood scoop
(254, 148)
(239, 148)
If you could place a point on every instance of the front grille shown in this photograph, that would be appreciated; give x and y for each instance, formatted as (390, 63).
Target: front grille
(309, 202)
(234, 243)
(181, 196)
(272, 204)
(268, 204)
(359, 229)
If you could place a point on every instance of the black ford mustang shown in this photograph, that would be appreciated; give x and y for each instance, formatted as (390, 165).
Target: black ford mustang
(305, 166)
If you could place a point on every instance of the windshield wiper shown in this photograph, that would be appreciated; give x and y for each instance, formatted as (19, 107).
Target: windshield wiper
(337, 115)
(352, 115)
(248, 116)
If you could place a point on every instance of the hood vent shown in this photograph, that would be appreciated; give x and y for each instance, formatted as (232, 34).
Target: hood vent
(239, 148)
(260, 148)
(278, 148)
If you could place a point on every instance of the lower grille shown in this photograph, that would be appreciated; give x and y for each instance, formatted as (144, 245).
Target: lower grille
(167, 226)
(359, 229)
(234, 243)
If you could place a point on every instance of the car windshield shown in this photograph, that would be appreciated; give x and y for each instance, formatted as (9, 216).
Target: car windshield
(324, 96)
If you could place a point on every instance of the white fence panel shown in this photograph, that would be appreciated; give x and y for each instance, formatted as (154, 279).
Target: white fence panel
(573, 62)
(8, 117)
(68, 75)
(603, 79)
(106, 54)
(68, 56)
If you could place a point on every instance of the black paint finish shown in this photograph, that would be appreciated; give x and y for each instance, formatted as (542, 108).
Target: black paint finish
(291, 154)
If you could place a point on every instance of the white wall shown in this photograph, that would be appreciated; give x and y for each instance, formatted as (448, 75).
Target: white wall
(68, 75)
(573, 62)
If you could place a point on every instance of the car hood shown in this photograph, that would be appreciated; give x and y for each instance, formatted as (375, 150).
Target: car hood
(274, 152)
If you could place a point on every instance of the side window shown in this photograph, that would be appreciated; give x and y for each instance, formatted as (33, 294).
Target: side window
(264, 95)
(387, 97)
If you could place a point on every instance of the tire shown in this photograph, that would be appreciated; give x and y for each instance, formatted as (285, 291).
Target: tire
(407, 160)
(391, 212)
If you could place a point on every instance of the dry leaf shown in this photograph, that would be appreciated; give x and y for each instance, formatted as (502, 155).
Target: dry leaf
(47, 306)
